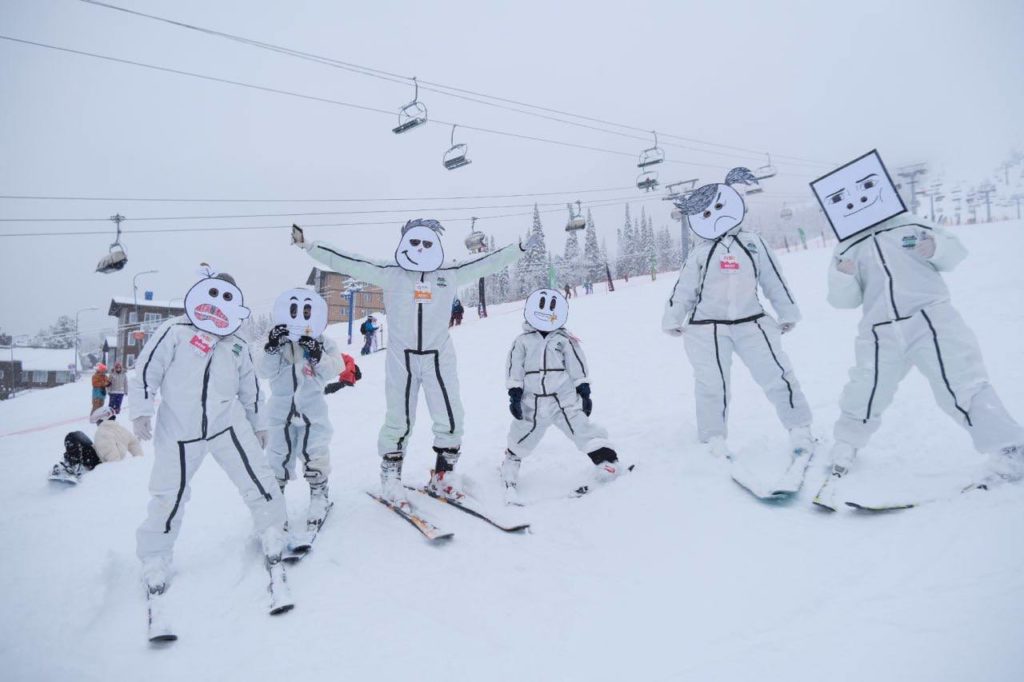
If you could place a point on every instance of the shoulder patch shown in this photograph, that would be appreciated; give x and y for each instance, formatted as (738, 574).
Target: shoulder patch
(236, 349)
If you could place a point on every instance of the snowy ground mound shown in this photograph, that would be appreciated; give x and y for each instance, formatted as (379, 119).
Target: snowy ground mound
(672, 573)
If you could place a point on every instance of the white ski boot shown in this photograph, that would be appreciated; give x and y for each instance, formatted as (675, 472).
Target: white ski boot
(801, 440)
(280, 594)
(510, 477)
(827, 497)
(319, 505)
(1006, 466)
(391, 489)
(719, 448)
(444, 484)
(155, 578)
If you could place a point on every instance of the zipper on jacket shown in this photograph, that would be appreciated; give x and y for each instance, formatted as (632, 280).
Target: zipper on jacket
(206, 390)
(419, 320)
(888, 274)
(544, 374)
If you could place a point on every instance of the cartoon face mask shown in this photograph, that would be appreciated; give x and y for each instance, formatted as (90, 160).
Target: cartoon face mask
(420, 248)
(546, 310)
(303, 311)
(215, 306)
(858, 195)
(715, 210)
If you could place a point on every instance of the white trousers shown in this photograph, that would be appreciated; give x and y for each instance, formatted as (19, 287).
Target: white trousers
(563, 411)
(300, 440)
(405, 373)
(758, 343)
(237, 452)
(938, 342)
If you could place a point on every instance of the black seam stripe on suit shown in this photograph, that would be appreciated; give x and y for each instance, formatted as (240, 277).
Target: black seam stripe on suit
(583, 368)
(874, 384)
(305, 440)
(444, 391)
(471, 261)
(534, 427)
(703, 278)
(942, 368)
(356, 260)
(181, 484)
(872, 234)
(751, 257)
(145, 368)
(721, 372)
(892, 291)
(777, 363)
(408, 392)
(775, 268)
(564, 415)
(742, 320)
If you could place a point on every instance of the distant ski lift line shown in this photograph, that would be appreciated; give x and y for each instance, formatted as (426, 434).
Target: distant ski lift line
(394, 77)
(351, 105)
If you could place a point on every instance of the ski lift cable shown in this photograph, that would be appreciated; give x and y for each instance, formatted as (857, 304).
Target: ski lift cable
(352, 105)
(452, 91)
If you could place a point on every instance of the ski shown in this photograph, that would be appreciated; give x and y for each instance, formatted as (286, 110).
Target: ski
(900, 506)
(586, 489)
(792, 480)
(296, 551)
(472, 510)
(60, 474)
(412, 515)
(159, 629)
(280, 594)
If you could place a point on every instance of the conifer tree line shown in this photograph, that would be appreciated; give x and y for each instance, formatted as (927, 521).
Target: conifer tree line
(641, 250)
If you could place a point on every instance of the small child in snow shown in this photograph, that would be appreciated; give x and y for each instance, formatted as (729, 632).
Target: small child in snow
(100, 382)
(548, 383)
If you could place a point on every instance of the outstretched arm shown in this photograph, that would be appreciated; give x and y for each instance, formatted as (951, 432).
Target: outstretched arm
(485, 264)
(361, 268)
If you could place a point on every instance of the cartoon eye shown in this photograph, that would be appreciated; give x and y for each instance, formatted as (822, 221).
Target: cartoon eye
(228, 296)
(542, 302)
(869, 184)
(836, 198)
(414, 242)
(213, 292)
(427, 244)
(718, 206)
(307, 311)
(293, 310)
(553, 302)
(707, 214)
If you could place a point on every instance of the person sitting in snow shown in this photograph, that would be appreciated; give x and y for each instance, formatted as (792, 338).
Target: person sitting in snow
(548, 383)
(715, 307)
(348, 376)
(81, 454)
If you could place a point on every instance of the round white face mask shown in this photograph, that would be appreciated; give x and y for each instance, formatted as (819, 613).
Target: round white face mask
(420, 250)
(546, 310)
(215, 306)
(303, 311)
(724, 213)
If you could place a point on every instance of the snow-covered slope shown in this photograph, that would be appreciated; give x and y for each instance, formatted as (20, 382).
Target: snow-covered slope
(672, 573)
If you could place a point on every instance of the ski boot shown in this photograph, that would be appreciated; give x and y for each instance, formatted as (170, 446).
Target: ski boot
(607, 465)
(801, 441)
(827, 496)
(1006, 466)
(442, 479)
(66, 473)
(719, 448)
(280, 594)
(319, 505)
(391, 489)
(510, 477)
(155, 577)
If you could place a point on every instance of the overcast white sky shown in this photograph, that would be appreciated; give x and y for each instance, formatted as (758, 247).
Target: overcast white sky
(935, 81)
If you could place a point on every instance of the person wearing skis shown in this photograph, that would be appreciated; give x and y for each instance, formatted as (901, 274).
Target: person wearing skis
(368, 329)
(297, 361)
(548, 382)
(419, 289)
(209, 403)
(118, 387)
(889, 263)
(716, 308)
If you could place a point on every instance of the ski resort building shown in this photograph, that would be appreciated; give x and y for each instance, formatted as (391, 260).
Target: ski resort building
(136, 321)
(24, 368)
(333, 286)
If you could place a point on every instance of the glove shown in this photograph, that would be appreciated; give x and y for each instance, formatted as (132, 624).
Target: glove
(534, 242)
(925, 246)
(674, 331)
(143, 428)
(358, 373)
(515, 402)
(786, 327)
(846, 266)
(584, 392)
(274, 338)
(314, 348)
(261, 436)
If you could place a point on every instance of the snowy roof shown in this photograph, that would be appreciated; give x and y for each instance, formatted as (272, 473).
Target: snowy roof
(111, 341)
(41, 359)
(177, 304)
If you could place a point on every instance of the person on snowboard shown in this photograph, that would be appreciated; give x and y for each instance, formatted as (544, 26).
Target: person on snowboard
(419, 289)
(112, 443)
(548, 383)
(715, 307)
(297, 361)
(209, 403)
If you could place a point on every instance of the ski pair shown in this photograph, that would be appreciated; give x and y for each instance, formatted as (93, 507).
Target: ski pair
(299, 549)
(787, 485)
(881, 507)
(432, 531)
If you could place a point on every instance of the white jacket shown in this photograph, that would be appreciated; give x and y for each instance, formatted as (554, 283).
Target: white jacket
(113, 441)
(296, 386)
(546, 365)
(892, 280)
(202, 379)
(719, 282)
(418, 324)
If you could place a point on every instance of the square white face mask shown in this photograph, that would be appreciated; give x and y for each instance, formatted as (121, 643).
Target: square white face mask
(858, 195)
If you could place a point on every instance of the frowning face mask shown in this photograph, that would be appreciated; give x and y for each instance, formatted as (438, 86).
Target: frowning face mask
(215, 306)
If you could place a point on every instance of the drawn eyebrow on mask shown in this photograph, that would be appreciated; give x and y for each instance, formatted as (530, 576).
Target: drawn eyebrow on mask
(871, 175)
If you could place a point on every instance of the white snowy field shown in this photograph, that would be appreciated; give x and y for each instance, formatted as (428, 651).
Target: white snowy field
(672, 573)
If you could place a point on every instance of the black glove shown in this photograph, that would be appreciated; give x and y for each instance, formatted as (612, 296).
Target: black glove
(515, 402)
(335, 387)
(314, 348)
(274, 338)
(584, 392)
(358, 373)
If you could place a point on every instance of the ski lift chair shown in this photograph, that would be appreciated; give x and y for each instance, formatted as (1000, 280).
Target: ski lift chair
(754, 190)
(476, 242)
(647, 181)
(786, 213)
(455, 157)
(766, 171)
(412, 114)
(113, 261)
(576, 219)
(652, 155)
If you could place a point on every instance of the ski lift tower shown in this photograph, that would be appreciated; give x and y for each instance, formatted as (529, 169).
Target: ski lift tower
(352, 287)
(986, 190)
(677, 191)
(910, 175)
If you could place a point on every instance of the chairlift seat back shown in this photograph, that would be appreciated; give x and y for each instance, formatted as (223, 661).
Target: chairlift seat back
(113, 261)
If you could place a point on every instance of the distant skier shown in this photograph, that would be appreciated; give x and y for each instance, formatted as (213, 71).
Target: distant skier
(118, 387)
(548, 383)
(368, 329)
(209, 402)
(298, 360)
(893, 271)
(418, 293)
(715, 306)
(457, 312)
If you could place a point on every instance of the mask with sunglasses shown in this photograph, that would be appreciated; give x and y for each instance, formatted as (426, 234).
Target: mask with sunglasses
(420, 249)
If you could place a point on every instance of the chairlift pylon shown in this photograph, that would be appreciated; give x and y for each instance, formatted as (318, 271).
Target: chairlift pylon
(576, 219)
(412, 114)
(765, 172)
(652, 155)
(455, 157)
(476, 242)
(116, 258)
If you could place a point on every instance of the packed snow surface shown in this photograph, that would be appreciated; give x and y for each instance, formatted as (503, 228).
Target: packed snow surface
(673, 572)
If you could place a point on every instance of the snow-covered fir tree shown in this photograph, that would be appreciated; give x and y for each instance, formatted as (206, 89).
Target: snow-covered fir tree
(532, 269)
(593, 262)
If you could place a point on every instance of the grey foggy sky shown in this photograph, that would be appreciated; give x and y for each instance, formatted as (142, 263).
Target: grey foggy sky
(921, 81)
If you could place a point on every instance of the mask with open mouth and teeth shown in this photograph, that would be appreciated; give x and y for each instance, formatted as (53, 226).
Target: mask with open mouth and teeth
(420, 248)
(303, 311)
(546, 310)
(215, 305)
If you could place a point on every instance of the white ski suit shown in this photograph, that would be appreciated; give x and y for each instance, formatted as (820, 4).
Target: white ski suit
(909, 322)
(419, 349)
(716, 301)
(296, 413)
(210, 402)
(548, 369)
